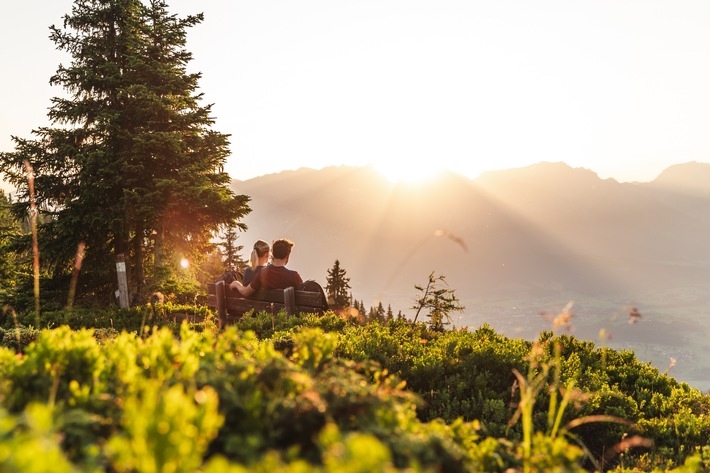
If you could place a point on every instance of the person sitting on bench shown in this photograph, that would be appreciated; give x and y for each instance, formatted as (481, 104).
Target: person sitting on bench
(258, 260)
(274, 276)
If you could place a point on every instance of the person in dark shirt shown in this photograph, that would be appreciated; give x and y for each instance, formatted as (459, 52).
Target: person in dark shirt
(257, 261)
(274, 276)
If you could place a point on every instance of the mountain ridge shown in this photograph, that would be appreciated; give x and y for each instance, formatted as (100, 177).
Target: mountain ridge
(570, 207)
(534, 239)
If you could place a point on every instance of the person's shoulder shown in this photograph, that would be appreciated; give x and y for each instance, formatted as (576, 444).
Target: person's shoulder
(296, 276)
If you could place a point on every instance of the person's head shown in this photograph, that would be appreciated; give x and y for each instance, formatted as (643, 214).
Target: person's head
(259, 254)
(281, 249)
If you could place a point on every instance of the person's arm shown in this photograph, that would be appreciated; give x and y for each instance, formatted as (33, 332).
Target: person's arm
(245, 291)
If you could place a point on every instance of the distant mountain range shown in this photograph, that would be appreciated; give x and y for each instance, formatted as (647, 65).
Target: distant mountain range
(511, 243)
(540, 232)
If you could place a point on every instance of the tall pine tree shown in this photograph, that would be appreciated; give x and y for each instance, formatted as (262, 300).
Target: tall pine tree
(130, 165)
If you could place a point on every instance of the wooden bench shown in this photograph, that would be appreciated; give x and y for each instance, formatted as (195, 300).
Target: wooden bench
(230, 305)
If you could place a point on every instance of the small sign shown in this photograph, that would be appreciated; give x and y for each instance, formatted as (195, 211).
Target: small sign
(121, 267)
(117, 293)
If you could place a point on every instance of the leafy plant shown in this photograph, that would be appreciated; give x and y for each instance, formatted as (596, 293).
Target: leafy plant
(30, 442)
(545, 450)
(438, 301)
(318, 391)
(173, 438)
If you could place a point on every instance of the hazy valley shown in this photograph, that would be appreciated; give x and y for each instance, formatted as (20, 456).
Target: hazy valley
(516, 245)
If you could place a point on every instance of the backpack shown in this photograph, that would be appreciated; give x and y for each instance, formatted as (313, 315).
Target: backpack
(230, 276)
(312, 286)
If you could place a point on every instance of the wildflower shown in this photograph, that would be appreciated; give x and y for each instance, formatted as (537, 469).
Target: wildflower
(563, 319)
(672, 363)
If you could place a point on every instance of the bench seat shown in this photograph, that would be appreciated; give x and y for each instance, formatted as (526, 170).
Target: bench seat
(230, 304)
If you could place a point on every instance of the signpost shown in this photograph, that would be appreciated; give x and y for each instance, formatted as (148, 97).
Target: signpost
(122, 292)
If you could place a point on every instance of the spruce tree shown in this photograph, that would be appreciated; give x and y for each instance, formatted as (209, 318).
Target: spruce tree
(130, 164)
(211, 268)
(337, 285)
(380, 312)
(9, 260)
(372, 314)
(231, 259)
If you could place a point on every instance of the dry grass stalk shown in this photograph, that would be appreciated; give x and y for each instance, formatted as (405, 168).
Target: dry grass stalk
(35, 244)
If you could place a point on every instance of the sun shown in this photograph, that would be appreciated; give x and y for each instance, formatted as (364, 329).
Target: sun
(408, 172)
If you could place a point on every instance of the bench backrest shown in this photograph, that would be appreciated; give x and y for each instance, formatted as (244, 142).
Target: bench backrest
(294, 301)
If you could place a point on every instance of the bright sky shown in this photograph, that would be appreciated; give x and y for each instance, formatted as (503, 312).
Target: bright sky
(619, 87)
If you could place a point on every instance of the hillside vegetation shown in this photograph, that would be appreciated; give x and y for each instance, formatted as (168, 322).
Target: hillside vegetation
(140, 391)
(122, 197)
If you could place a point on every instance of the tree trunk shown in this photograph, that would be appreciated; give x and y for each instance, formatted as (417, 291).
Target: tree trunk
(139, 269)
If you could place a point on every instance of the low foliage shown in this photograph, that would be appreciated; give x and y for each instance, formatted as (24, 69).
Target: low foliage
(214, 398)
(320, 393)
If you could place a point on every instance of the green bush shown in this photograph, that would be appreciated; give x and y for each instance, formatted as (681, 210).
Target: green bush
(319, 393)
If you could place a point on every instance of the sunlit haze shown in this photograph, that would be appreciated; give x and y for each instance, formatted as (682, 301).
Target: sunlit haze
(408, 172)
(412, 86)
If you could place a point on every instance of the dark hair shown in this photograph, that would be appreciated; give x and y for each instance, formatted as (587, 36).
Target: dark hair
(280, 249)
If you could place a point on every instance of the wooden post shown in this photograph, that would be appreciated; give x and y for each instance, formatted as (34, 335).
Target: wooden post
(122, 293)
(290, 300)
(220, 293)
